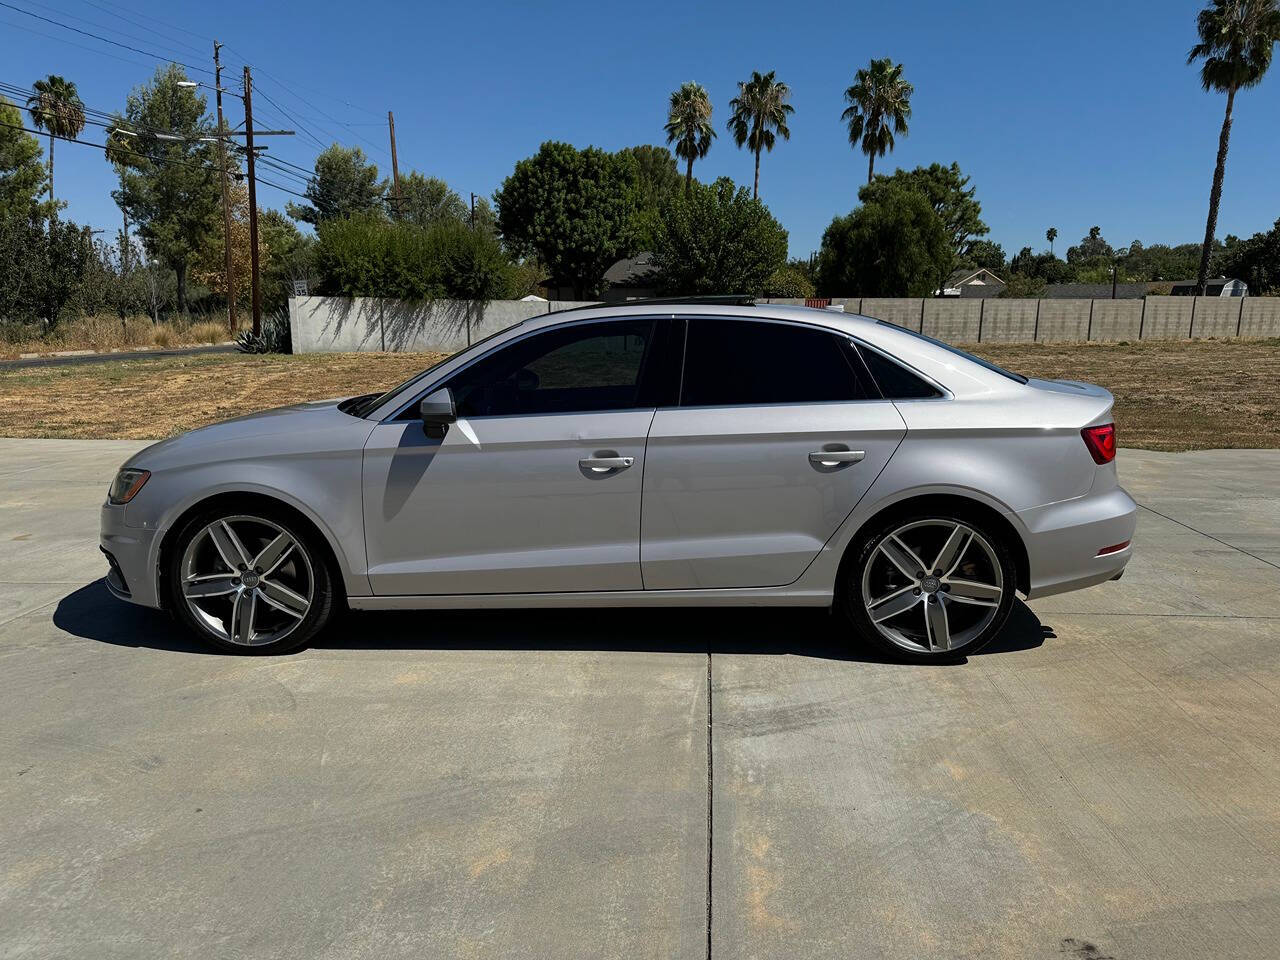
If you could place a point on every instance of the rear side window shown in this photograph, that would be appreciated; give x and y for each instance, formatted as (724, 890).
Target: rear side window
(731, 362)
(896, 382)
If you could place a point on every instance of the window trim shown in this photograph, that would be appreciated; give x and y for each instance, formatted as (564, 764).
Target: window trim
(837, 334)
(660, 340)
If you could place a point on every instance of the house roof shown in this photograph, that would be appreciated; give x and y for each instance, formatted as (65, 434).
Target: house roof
(630, 271)
(969, 275)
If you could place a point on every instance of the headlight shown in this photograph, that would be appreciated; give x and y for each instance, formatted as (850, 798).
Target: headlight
(126, 485)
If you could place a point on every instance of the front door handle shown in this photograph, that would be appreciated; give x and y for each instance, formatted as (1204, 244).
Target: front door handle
(606, 464)
(833, 458)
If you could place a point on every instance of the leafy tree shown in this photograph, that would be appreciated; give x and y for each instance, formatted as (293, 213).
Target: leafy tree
(55, 106)
(789, 281)
(22, 176)
(573, 209)
(43, 269)
(291, 255)
(1092, 247)
(345, 184)
(1044, 267)
(1236, 42)
(657, 179)
(689, 126)
(879, 107)
(1051, 235)
(716, 239)
(1256, 261)
(948, 191)
(428, 200)
(760, 112)
(986, 254)
(893, 245)
(1161, 261)
(169, 187)
(208, 267)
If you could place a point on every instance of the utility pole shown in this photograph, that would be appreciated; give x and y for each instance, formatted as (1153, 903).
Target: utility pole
(395, 167)
(473, 210)
(124, 244)
(226, 199)
(253, 203)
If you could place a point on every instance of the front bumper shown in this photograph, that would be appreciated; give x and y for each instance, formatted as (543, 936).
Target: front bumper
(132, 569)
(1063, 540)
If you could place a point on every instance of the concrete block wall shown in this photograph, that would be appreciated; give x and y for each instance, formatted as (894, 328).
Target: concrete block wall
(1009, 321)
(353, 324)
(1115, 320)
(903, 312)
(1063, 320)
(1168, 318)
(1217, 316)
(954, 320)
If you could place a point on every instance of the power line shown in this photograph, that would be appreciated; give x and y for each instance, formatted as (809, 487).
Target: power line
(110, 29)
(95, 36)
(119, 10)
(78, 46)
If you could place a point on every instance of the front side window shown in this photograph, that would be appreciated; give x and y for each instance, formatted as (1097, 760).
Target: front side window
(732, 362)
(582, 368)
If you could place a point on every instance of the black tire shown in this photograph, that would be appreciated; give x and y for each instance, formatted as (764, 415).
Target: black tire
(325, 592)
(851, 601)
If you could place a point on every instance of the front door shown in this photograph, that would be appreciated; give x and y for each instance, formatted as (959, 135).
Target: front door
(778, 434)
(536, 488)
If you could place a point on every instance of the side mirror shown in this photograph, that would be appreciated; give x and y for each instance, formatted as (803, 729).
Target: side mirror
(437, 412)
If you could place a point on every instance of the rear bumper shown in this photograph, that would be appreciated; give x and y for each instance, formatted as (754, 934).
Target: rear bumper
(1063, 540)
(131, 575)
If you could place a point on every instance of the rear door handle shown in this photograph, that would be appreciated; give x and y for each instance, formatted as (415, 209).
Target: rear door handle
(833, 458)
(606, 464)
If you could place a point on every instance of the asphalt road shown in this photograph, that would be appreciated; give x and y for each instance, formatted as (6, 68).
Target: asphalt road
(1104, 782)
(74, 359)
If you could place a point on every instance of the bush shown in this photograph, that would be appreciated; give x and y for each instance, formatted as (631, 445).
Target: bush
(275, 336)
(789, 282)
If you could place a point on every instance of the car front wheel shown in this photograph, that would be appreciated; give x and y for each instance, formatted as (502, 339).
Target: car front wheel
(250, 581)
(929, 588)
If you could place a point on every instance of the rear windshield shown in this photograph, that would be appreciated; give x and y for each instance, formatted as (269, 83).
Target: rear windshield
(1016, 377)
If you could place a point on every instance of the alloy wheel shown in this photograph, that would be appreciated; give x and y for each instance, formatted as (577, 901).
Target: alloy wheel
(247, 580)
(932, 586)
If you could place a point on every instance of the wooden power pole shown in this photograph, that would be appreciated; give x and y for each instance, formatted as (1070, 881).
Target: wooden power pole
(253, 203)
(395, 167)
(226, 199)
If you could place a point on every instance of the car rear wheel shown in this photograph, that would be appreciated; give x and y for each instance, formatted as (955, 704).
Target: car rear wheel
(250, 581)
(928, 587)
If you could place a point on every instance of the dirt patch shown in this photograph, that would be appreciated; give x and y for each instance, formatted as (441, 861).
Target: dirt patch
(1178, 395)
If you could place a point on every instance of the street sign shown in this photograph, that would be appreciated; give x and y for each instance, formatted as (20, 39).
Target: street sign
(299, 288)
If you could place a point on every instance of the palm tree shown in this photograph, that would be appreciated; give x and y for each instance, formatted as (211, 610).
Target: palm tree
(56, 106)
(689, 125)
(760, 111)
(1051, 235)
(1236, 40)
(879, 106)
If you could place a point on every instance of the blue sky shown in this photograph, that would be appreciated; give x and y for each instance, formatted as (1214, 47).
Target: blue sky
(1064, 114)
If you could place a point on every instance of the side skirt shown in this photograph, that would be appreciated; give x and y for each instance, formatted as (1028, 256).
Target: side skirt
(759, 597)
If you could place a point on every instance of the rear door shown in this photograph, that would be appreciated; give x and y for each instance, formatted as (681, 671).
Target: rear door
(778, 434)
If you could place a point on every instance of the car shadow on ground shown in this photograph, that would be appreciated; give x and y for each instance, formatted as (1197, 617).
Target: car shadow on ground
(93, 614)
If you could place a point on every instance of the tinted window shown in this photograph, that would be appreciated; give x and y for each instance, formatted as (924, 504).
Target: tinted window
(735, 362)
(896, 382)
(959, 353)
(582, 368)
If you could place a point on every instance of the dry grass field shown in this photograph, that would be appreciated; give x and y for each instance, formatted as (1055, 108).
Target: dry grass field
(1169, 395)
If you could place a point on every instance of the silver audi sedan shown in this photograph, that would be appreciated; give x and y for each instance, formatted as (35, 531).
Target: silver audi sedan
(656, 453)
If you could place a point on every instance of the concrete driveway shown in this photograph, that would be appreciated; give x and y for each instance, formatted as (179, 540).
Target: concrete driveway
(1103, 782)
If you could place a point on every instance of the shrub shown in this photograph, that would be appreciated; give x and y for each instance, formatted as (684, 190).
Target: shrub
(788, 281)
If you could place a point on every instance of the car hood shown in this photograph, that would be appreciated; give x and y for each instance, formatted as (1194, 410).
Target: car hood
(297, 428)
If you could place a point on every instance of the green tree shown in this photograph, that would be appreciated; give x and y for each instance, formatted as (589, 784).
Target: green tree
(879, 108)
(790, 282)
(168, 186)
(986, 254)
(760, 112)
(23, 177)
(689, 126)
(345, 184)
(948, 191)
(657, 179)
(55, 106)
(717, 239)
(428, 200)
(1091, 248)
(893, 245)
(1051, 235)
(574, 210)
(1256, 261)
(1236, 42)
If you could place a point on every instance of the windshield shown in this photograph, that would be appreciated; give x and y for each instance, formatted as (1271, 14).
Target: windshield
(1016, 377)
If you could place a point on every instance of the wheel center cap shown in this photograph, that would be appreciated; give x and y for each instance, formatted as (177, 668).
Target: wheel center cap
(249, 579)
(930, 585)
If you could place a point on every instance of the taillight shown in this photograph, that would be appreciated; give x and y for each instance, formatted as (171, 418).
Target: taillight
(1101, 441)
